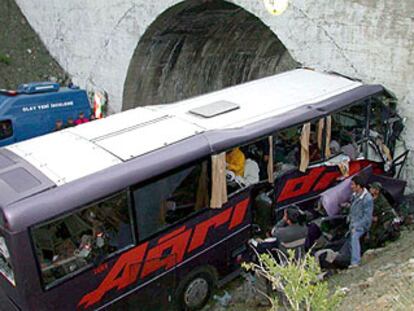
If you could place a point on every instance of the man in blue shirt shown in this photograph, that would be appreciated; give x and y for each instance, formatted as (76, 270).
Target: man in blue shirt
(360, 217)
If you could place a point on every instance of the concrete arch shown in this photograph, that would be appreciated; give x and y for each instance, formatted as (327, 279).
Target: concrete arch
(95, 40)
(196, 47)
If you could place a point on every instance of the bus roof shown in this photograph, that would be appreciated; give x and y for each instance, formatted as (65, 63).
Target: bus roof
(140, 143)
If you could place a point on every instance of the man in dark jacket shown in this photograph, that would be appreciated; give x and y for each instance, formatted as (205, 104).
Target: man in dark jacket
(293, 235)
(382, 228)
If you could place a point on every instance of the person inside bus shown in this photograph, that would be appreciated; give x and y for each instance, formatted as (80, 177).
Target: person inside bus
(251, 171)
(235, 160)
(314, 151)
(334, 147)
(286, 151)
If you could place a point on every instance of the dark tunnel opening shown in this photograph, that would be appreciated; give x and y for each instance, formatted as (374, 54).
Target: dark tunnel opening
(197, 47)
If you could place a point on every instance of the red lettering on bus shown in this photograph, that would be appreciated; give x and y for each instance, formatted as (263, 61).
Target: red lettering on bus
(239, 213)
(156, 258)
(326, 180)
(123, 273)
(201, 230)
(301, 185)
(169, 251)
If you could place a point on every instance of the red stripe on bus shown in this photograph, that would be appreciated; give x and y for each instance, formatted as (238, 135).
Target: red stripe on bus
(239, 213)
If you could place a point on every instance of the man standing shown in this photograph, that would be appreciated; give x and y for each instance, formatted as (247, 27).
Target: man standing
(382, 228)
(360, 217)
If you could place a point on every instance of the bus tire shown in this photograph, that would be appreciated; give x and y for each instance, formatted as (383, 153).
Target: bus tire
(195, 289)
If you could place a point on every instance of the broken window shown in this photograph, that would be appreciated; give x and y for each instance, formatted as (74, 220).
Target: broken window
(286, 149)
(247, 165)
(171, 198)
(66, 245)
(348, 130)
(298, 146)
(385, 124)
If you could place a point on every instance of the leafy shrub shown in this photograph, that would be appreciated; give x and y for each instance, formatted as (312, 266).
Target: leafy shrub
(295, 282)
(5, 59)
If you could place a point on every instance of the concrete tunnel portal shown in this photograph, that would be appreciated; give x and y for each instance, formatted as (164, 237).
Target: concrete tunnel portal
(197, 47)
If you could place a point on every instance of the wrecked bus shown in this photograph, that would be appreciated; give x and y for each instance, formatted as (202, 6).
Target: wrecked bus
(33, 109)
(114, 213)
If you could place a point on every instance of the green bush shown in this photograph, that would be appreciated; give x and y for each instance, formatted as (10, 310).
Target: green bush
(295, 283)
(5, 59)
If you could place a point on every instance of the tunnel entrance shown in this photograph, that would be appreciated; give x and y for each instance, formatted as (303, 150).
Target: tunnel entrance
(197, 47)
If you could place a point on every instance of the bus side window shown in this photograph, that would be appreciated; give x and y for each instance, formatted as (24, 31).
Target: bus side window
(171, 198)
(348, 130)
(247, 165)
(69, 243)
(379, 114)
(286, 150)
(6, 129)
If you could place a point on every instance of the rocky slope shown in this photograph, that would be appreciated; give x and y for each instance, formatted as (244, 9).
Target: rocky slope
(23, 57)
(385, 281)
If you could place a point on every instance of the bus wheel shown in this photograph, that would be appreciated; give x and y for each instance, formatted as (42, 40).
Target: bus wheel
(194, 291)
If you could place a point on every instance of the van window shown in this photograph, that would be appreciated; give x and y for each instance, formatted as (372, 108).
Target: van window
(5, 265)
(66, 245)
(6, 129)
(169, 199)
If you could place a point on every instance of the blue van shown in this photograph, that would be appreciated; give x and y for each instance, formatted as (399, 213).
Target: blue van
(34, 108)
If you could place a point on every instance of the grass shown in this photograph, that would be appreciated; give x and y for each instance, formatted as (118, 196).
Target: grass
(5, 59)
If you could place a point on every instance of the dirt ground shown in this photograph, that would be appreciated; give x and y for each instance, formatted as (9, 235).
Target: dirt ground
(23, 57)
(384, 281)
